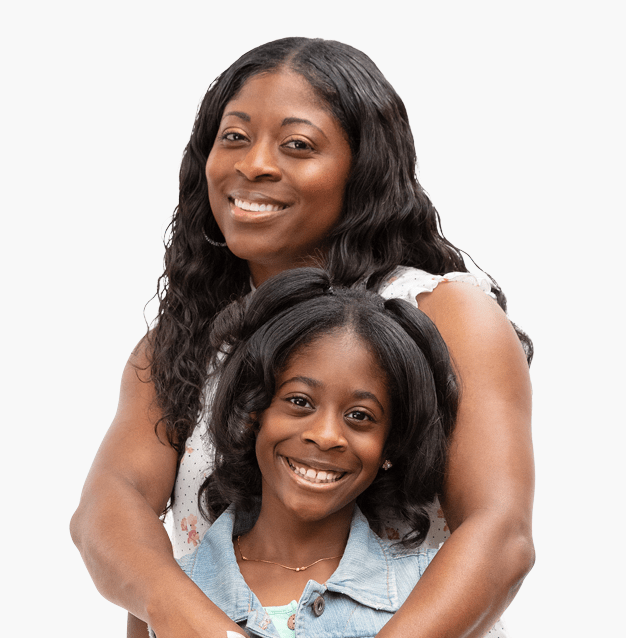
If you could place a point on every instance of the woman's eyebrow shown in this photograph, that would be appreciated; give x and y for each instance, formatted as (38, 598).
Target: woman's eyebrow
(300, 120)
(286, 122)
(240, 114)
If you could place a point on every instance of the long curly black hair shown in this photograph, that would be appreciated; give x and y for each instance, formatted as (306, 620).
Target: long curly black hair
(387, 219)
(290, 311)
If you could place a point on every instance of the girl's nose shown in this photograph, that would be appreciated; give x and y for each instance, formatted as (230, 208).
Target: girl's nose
(326, 431)
(259, 162)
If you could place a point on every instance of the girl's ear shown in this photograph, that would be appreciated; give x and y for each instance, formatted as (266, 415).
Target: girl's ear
(253, 423)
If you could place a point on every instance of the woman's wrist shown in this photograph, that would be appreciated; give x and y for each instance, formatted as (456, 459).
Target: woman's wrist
(183, 611)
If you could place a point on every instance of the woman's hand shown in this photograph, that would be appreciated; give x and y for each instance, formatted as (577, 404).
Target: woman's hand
(489, 487)
(117, 527)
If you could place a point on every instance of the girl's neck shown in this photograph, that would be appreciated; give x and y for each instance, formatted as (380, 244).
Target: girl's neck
(295, 542)
(278, 540)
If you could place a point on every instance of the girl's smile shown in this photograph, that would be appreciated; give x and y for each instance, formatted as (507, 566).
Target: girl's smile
(311, 475)
(321, 441)
(277, 172)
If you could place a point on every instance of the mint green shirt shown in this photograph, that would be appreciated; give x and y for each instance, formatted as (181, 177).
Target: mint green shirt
(280, 616)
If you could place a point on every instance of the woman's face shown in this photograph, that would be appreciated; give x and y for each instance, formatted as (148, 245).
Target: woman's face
(277, 173)
(321, 441)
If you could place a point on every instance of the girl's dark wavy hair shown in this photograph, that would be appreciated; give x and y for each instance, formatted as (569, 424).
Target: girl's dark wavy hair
(387, 219)
(291, 311)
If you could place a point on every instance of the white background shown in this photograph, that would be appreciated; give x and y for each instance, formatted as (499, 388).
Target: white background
(518, 115)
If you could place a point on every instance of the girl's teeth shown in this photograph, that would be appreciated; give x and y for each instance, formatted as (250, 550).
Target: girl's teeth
(316, 477)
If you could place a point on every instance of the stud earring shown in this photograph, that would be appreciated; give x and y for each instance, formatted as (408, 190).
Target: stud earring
(387, 465)
(219, 244)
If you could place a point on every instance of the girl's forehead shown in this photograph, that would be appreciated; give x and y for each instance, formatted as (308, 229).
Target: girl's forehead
(327, 345)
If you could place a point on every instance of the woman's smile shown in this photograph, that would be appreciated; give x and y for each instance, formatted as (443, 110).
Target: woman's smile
(255, 208)
(277, 173)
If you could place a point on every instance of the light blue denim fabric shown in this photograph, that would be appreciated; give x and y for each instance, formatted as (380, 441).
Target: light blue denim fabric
(373, 579)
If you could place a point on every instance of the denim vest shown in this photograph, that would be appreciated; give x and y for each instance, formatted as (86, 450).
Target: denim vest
(373, 579)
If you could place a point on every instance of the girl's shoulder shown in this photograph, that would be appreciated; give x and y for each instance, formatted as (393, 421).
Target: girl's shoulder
(407, 283)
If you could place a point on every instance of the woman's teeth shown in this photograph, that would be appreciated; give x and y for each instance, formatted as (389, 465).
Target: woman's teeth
(257, 208)
(315, 476)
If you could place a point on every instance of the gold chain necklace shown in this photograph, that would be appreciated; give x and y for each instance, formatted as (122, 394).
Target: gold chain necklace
(293, 569)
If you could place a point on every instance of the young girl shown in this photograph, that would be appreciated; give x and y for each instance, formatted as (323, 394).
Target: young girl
(334, 407)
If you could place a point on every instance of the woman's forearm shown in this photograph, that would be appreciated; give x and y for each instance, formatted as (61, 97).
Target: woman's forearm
(117, 527)
(489, 486)
(129, 556)
(469, 583)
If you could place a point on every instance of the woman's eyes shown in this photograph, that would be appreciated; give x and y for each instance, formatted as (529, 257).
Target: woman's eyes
(231, 136)
(292, 145)
(298, 145)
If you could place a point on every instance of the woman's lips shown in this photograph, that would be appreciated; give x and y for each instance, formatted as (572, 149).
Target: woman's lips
(244, 210)
(258, 207)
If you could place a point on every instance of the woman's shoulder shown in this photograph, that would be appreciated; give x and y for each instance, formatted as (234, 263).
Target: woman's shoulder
(408, 283)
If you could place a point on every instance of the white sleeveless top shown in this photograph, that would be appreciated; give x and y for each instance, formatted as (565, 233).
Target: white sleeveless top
(188, 524)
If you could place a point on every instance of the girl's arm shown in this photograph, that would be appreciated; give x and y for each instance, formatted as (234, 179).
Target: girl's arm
(489, 487)
(117, 527)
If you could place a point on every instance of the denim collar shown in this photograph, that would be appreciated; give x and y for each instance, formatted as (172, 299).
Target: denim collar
(365, 573)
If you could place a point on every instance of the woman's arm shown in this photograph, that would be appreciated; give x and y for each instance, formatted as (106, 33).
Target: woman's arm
(489, 487)
(117, 527)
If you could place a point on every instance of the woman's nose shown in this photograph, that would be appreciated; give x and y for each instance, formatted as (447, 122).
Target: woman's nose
(326, 431)
(259, 162)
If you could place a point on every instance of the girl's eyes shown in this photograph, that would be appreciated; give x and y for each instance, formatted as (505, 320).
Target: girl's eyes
(353, 415)
(301, 402)
(358, 415)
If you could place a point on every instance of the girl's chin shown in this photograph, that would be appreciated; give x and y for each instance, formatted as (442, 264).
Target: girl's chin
(310, 512)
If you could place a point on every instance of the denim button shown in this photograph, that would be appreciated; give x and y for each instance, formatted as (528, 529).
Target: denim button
(318, 606)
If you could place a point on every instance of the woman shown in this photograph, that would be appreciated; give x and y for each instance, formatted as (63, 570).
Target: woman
(306, 155)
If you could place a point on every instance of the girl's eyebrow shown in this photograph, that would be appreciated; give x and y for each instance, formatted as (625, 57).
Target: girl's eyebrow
(314, 383)
(364, 394)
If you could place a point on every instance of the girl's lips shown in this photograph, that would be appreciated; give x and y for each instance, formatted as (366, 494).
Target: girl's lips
(313, 475)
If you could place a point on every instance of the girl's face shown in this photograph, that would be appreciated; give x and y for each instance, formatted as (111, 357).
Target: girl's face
(276, 173)
(321, 441)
